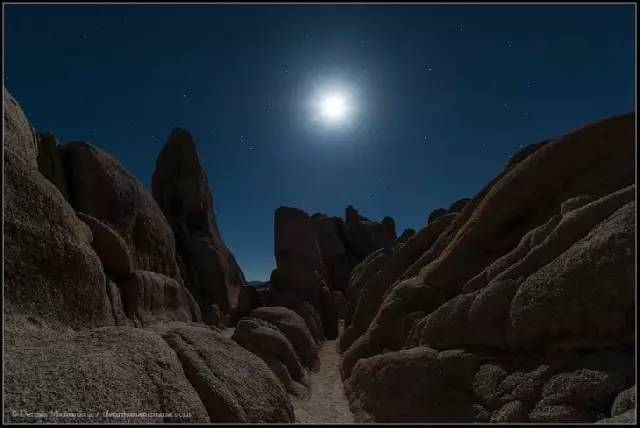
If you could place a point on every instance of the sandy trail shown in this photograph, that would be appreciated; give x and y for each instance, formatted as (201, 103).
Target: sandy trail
(327, 402)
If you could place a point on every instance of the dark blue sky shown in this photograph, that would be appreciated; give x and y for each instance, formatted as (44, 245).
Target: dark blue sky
(444, 95)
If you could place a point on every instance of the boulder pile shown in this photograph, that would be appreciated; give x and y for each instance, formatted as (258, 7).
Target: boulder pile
(514, 306)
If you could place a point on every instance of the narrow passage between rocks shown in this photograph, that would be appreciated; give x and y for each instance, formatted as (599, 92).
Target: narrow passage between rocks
(327, 402)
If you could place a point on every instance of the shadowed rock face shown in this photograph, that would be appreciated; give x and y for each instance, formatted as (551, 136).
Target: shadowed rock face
(50, 162)
(363, 236)
(52, 274)
(533, 279)
(102, 188)
(315, 256)
(248, 300)
(181, 190)
(113, 251)
(72, 274)
(294, 327)
(367, 292)
(266, 341)
(150, 297)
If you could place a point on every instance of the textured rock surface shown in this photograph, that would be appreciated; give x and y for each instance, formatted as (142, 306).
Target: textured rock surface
(456, 385)
(110, 369)
(102, 188)
(150, 297)
(113, 251)
(624, 402)
(312, 319)
(359, 277)
(51, 272)
(583, 297)
(269, 343)
(181, 190)
(533, 278)
(234, 384)
(440, 387)
(294, 328)
(494, 222)
(369, 297)
(117, 307)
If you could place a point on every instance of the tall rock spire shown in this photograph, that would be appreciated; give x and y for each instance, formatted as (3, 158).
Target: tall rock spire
(180, 188)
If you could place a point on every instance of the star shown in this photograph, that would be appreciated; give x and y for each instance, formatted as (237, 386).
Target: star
(184, 95)
(429, 69)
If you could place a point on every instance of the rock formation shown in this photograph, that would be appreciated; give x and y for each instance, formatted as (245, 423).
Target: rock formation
(518, 307)
(315, 255)
(283, 340)
(52, 274)
(50, 162)
(274, 348)
(234, 384)
(102, 188)
(295, 329)
(248, 299)
(182, 192)
(97, 320)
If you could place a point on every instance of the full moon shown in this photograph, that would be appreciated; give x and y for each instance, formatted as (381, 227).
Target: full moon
(334, 107)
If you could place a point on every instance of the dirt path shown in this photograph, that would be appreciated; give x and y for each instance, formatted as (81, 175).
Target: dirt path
(327, 402)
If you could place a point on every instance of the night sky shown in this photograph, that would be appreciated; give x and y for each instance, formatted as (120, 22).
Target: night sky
(440, 96)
